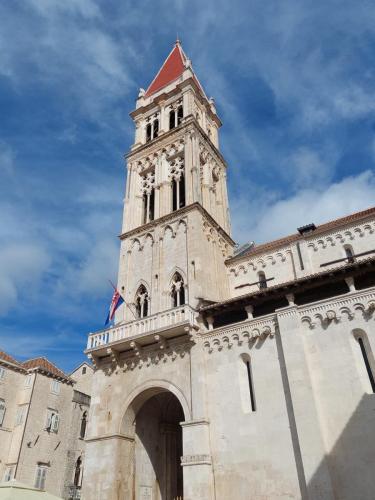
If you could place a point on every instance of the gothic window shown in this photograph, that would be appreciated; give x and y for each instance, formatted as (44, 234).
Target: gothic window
(178, 291)
(152, 128)
(83, 425)
(349, 254)
(262, 280)
(77, 472)
(178, 184)
(175, 116)
(148, 198)
(2, 411)
(142, 302)
(172, 119)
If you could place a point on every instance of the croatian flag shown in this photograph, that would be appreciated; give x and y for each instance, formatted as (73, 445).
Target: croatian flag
(116, 302)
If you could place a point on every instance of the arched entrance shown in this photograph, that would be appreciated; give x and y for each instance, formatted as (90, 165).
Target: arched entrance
(153, 420)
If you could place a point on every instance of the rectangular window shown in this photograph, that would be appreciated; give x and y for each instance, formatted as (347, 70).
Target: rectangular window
(55, 387)
(53, 420)
(2, 372)
(40, 477)
(28, 380)
(20, 415)
(2, 411)
(9, 473)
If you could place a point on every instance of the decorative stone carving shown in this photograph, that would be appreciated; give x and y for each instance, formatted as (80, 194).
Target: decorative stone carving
(195, 460)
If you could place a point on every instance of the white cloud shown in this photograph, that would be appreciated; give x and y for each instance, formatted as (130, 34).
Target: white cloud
(264, 222)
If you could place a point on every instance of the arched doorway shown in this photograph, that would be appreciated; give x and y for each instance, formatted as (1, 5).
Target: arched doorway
(153, 419)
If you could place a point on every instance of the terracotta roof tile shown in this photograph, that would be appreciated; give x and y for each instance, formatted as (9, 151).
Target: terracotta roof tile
(6, 357)
(295, 237)
(44, 364)
(172, 68)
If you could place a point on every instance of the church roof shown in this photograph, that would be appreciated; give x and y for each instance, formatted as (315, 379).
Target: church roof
(171, 70)
(271, 245)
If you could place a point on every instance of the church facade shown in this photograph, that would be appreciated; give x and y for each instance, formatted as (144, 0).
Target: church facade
(230, 373)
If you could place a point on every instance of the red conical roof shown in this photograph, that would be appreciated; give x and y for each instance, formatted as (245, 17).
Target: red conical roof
(172, 69)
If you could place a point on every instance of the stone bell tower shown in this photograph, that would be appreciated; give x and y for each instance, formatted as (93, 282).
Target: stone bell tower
(176, 227)
(148, 434)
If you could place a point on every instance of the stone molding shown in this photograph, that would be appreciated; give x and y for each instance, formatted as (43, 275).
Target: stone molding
(345, 308)
(187, 460)
(147, 228)
(346, 235)
(244, 333)
(192, 423)
(105, 437)
(259, 261)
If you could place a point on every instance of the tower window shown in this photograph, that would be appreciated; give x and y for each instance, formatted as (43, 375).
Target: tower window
(148, 132)
(349, 254)
(360, 340)
(156, 128)
(172, 119)
(148, 198)
(180, 114)
(142, 302)
(177, 184)
(262, 280)
(178, 291)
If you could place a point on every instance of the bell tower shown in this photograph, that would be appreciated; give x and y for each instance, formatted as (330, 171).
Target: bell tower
(176, 230)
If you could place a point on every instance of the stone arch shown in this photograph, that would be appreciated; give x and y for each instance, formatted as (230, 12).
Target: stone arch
(141, 394)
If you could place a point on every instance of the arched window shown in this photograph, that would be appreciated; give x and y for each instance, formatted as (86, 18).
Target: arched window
(368, 359)
(177, 290)
(148, 197)
(142, 302)
(177, 183)
(262, 280)
(172, 119)
(349, 254)
(77, 472)
(83, 425)
(246, 379)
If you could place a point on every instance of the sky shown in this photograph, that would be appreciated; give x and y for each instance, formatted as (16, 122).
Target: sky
(293, 83)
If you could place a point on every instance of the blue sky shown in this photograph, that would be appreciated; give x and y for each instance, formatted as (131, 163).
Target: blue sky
(293, 83)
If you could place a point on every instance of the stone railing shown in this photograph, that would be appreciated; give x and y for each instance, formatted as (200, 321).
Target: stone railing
(164, 319)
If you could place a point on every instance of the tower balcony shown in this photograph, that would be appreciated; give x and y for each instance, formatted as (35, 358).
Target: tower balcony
(170, 323)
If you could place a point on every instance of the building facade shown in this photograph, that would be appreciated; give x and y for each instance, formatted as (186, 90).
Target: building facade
(43, 416)
(230, 373)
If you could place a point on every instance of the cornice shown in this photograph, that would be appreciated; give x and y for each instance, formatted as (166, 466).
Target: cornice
(176, 215)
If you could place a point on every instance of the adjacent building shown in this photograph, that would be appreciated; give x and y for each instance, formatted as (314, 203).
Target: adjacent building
(230, 373)
(43, 417)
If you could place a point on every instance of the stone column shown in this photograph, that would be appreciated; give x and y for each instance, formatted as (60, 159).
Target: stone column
(310, 453)
(196, 461)
(109, 468)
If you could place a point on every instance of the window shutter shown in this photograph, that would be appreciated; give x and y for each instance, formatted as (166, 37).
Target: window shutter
(55, 423)
(2, 412)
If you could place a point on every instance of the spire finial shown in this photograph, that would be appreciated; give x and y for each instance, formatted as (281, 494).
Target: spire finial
(177, 40)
